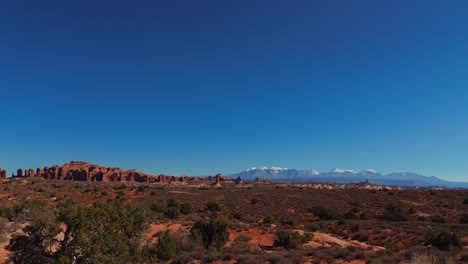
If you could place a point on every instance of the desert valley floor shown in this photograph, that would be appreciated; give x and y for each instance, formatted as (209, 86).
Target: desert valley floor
(322, 225)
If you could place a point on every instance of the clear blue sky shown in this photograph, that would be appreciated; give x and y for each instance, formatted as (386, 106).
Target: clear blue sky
(201, 87)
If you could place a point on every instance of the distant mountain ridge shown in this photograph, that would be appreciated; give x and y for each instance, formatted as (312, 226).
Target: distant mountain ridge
(337, 175)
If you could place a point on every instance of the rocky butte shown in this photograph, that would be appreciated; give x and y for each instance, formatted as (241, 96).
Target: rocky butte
(85, 171)
(3, 173)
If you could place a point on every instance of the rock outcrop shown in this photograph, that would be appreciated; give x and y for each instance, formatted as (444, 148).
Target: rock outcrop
(217, 180)
(3, 174)
(85, 171)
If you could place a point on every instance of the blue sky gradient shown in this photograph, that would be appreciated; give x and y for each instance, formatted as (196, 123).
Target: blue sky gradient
(200, 87)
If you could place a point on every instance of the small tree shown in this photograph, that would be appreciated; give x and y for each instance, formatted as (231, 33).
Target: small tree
(166, 248)
(35, 246)
(288, 240)
(213, 232)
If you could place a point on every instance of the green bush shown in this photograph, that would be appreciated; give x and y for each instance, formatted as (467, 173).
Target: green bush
(213, 207)
(323, 213)
(172, 212)
(186, 208)
(213, 232)
(288, 240)
(268, 220)
(443, 240)
(393, 213)
(290, 221)
(172, 203)
(166, 248)
(157, 208)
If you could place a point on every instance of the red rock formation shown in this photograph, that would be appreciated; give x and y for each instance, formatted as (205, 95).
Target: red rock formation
(238, 180)
(3, 174)
(217, 180)
(85, 171)
(29, 173)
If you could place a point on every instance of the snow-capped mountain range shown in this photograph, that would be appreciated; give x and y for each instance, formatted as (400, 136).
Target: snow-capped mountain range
(345, 176)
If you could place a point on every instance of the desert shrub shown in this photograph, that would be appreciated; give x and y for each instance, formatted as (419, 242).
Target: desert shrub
(122, 186)
(362, 237)
(355, 227)
(421, 218)
(288, 239)
(227, 256)
(323, 213)
(268, 220)
(392, 246)
(186, 208)
(166, 248)
(254, 201)
(172, 212)
(352, 214)
(56, 186)
(247, 259)
(312, 227)
(339, 252)
(210, 257)
(290, 221)
(430, 259)
(213, 207)
(238, 215)
(464, 219)
(411, 210)
(213, 232)
(393, 213)
(157, 208)
(182, 259)
(141, 188)
(341, 222)
(153, 193)
(7, 212)
(295, 256)
(439, 220)
(172, 203)
(278, 259)
(443, 240)
(306, 237)
(465, 201)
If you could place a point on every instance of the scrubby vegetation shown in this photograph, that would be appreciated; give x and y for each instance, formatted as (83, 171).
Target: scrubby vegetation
(87, 222)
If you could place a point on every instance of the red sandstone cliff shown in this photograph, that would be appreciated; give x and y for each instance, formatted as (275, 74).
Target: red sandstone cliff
(85, 171)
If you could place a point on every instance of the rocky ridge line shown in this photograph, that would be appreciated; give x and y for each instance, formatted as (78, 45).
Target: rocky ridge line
(85, 171)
